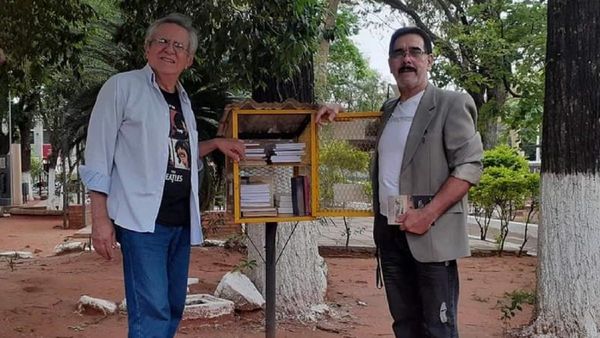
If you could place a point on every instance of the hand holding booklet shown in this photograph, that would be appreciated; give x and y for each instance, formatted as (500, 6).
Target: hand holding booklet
(397, 205)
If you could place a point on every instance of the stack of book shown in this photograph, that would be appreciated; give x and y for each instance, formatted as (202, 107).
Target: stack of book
(284, 204)
(257, 200)
(288, 152)
(255, 154)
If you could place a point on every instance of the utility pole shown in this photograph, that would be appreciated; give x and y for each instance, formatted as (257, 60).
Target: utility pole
(9, 154)
(9, 122)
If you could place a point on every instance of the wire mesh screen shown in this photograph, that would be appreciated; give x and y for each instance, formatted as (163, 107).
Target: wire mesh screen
(346, 149)
(278, 176)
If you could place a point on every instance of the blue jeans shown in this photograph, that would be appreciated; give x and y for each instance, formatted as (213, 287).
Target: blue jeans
(422, 297)
(155, 267)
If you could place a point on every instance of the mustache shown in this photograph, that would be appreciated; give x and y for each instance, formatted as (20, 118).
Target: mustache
(407, 69)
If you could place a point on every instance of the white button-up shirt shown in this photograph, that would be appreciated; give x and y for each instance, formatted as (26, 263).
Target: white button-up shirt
(127, 151)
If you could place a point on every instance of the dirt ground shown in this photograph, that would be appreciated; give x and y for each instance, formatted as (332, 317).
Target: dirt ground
(39, 295)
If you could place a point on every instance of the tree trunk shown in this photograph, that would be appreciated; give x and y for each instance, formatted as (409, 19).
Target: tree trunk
(299, 87)
(53, 202)
(28, 191)
(487, 125)
(568, 302)
(301, 271)
(496, 98)
(4, 144)
(489, 132)
(323, 54)
(25, 127)
(569, 268)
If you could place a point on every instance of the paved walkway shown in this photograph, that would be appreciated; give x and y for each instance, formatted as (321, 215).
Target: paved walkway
(333, 233)
(361, 235)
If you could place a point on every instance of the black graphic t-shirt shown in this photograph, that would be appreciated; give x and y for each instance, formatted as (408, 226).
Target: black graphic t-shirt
(175, 206)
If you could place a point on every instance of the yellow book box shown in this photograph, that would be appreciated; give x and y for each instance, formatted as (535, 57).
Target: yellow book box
(295, 170)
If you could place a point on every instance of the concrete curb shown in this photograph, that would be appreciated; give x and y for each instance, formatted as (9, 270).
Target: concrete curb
(34, 211)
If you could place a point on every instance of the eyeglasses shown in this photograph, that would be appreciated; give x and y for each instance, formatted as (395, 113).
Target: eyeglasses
(177, 46)
(414, 52)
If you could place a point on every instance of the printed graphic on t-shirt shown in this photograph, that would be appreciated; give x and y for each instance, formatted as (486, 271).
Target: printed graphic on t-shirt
(179, 144)
(175, 205)
(178, 127)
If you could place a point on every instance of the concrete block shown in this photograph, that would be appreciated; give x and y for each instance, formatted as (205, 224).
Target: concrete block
(90, 305)
(203, 306)
(238, 288)
(122, 306)
(16, 254)
(214, 242)
(191, 281)
(68, 247)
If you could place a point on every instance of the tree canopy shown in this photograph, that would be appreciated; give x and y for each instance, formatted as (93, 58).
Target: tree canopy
(40, 39)
(350, 79)
(40, 34)
(494, 49)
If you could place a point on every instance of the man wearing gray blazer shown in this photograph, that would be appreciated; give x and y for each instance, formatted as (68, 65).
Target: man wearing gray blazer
(427, 148)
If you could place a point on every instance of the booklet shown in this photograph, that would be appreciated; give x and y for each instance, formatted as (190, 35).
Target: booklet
(397, 205)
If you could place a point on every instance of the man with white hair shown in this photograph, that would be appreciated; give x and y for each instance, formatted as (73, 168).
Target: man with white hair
(142, 195)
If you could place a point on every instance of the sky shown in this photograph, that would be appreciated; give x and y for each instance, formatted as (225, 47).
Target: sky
(373, 45)
(373, 39)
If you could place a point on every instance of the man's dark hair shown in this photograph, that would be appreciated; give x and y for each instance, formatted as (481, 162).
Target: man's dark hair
(411, 30)
(178, 121)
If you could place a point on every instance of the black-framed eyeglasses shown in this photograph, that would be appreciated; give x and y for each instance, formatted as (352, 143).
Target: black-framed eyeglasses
(414, 52)
(177, 46)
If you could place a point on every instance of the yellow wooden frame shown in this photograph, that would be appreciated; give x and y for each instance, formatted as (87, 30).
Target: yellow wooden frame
(314, 156)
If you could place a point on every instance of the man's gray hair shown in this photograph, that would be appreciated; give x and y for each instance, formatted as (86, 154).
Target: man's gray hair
(180, 20)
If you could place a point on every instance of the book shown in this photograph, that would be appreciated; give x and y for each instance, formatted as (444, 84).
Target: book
(285, 159)
(253, 162)
(257, 209)
(255, 193)
(283, 202)
(290, 146)
(289, 210)
(255, 204)
(419, 201)
(289, 152)
(266, 212)
(297, 183)
(254, 156)
(307, 202)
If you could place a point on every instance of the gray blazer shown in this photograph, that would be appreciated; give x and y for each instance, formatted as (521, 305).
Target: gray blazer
(442, 142)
